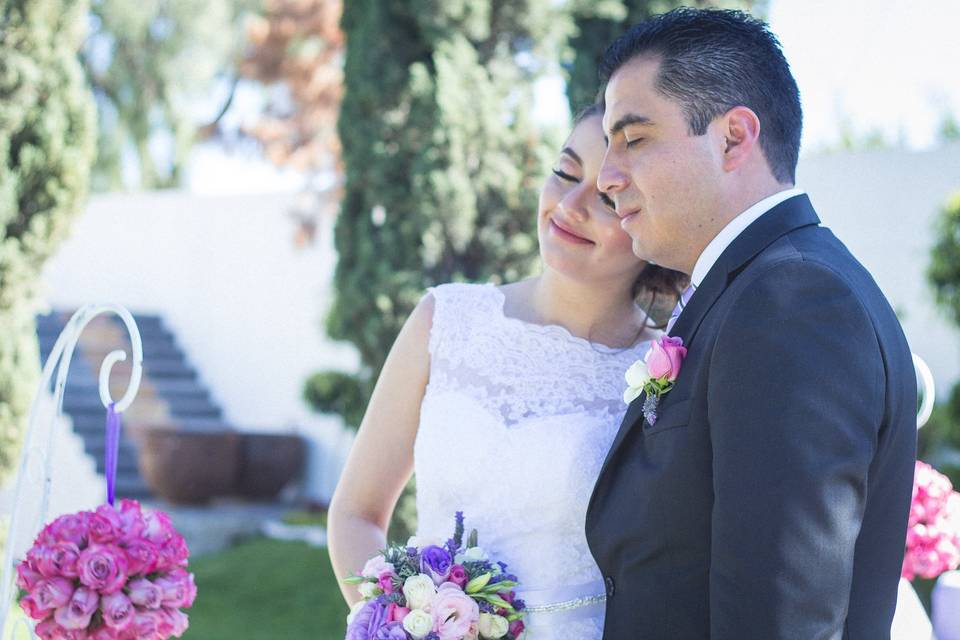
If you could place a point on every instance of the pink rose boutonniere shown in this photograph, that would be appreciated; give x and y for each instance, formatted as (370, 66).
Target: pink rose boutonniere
(655, 374)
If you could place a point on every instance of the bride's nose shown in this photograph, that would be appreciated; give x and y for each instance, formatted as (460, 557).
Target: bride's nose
(574, 205)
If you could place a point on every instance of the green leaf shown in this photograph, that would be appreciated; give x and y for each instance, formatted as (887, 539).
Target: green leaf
(478, 583)
(497, 601)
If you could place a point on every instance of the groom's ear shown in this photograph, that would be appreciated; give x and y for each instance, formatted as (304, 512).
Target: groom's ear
(740, 128)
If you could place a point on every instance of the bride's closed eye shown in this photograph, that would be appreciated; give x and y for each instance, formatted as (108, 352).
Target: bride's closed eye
(563, 175)
(607, 201)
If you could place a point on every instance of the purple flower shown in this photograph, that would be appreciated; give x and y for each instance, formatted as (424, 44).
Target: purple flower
(436, 562)
(368, 620)
(392, 631)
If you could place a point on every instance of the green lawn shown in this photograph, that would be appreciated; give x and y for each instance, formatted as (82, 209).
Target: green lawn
(265, 589)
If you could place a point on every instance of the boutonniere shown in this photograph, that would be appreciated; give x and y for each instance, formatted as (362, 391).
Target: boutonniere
(655, 374)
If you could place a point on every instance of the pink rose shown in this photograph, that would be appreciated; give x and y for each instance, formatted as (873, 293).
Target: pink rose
(77, 613)
(516, 628)
(146, 624)
(63, 558)
(60, 559)
(41, 559)
(142, 557)
(376, 567)
(174, 622)
(27, 577)
(103, 567)
(53, 593)
(665, 358)
(48, 630)
(398, 613)
(145, 594)
(386, 583)
(132, 524)
(33, 609)
(117, 610)
(158, 527)
(453, 612)
(173, 553)
(178, 589)
(104, 525)
(71, 528)
(458, 576)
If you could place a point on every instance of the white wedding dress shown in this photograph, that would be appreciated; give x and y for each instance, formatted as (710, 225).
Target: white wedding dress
(514, 427)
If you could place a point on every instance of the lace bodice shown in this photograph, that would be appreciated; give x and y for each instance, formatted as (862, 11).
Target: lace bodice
(515, 424)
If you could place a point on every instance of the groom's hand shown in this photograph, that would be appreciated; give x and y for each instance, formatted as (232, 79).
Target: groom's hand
(796, 399)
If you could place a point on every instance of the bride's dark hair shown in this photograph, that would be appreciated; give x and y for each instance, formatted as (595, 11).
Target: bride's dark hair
(656, 289)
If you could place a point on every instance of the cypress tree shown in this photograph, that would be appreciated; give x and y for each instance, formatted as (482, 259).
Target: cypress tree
(47, 137)
(442, 165)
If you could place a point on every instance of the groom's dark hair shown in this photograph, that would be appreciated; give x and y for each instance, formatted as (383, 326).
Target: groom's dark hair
(712, 60)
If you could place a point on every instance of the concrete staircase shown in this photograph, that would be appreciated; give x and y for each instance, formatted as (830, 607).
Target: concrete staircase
(171, 393)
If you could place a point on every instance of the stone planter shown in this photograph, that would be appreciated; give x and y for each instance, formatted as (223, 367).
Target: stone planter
(189, 466)
(268, 462)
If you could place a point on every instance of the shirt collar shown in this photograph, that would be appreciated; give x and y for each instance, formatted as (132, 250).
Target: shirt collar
(733, 229)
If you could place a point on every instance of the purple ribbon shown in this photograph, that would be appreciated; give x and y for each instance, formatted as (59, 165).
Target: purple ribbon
(111, 451)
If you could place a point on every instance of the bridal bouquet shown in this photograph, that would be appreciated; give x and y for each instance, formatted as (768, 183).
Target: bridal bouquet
(116, 573)
(933, 534)
(449, 592)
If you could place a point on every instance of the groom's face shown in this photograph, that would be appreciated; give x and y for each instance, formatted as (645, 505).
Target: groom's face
(662, 178)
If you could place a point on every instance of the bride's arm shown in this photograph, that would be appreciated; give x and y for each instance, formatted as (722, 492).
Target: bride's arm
(381, 460)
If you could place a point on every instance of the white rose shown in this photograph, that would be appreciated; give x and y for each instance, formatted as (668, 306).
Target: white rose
(354, 610)
(637, 376)
(418, 623)
(493, 626)
(369, 589)
(413, 541)
(419, 591)
(423, 541)
(475, 554)
(375, 567)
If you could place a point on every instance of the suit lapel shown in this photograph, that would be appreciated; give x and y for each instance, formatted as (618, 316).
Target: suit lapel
(787, 216)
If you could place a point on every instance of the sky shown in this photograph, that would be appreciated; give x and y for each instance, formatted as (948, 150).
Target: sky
(863, 66)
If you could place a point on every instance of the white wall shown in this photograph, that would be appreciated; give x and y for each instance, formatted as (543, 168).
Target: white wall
(883, 205)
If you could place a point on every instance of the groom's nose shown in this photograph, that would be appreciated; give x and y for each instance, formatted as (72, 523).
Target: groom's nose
(611, 179)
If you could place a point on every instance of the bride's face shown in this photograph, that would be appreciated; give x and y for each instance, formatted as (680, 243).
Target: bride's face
(579, 231)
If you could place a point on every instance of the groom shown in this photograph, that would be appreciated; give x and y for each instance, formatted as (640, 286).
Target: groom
(768, 498)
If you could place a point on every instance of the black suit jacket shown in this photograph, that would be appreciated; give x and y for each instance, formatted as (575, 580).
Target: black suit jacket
(770, 498)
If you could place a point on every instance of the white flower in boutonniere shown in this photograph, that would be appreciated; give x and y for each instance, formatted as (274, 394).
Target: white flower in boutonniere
(655, 374)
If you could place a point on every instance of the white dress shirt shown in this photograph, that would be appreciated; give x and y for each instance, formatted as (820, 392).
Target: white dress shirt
(733, 229)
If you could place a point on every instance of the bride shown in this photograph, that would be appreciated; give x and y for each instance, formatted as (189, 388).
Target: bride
(504, 400)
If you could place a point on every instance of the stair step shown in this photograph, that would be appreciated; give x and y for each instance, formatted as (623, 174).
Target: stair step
(131, 485)
(126, 463)
(171, 389)
(78, 406)
(151, 348)
(85, 424)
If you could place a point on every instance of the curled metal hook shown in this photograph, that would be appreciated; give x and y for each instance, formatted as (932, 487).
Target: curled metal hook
(927, 390)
